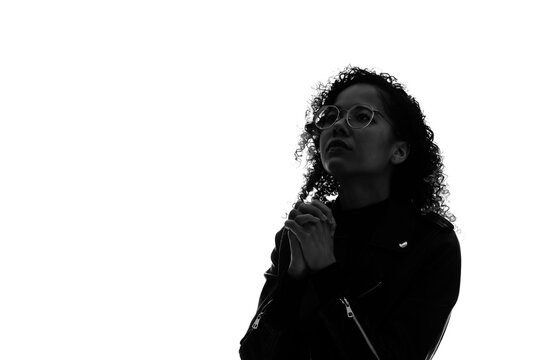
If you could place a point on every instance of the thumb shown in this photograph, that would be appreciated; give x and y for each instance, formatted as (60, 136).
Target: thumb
(296, 249)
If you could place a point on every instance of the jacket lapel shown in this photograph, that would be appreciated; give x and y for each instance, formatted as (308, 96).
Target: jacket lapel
(394, 231)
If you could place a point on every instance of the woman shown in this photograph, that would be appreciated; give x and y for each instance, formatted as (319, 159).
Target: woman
(375, 273)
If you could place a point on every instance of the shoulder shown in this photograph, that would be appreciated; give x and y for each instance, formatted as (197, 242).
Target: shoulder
(435, 221)
(436, 231)
(438, 235)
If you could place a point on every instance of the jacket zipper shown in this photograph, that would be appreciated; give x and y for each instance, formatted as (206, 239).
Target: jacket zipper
(350, 314)
(255, 324)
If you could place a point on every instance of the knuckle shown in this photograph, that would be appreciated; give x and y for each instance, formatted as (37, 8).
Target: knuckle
(292, 214)
(299, 217)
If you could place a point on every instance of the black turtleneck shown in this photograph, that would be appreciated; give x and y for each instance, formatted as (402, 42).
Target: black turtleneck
(359, 221)
(355, 226)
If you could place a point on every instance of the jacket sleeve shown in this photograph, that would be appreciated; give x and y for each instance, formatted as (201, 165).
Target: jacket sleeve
(275, 335)
(284, 291)
(415, 326)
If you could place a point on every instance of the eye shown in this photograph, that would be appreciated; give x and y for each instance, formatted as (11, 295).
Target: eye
(359, 116)
(326, 116)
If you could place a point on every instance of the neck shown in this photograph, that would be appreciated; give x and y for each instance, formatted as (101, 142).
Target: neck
(360, 192)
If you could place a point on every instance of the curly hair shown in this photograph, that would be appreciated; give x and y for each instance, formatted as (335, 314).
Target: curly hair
(419, 180)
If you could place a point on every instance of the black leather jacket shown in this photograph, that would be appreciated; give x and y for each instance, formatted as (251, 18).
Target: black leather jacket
(391, 298)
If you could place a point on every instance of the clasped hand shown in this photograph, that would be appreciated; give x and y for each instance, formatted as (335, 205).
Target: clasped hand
(311, 228)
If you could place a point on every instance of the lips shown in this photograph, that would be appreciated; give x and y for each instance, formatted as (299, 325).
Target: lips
(337, 144)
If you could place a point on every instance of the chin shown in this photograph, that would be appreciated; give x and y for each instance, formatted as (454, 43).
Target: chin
(337, 169)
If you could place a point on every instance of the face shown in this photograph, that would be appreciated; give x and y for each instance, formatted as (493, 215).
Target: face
(372, 151)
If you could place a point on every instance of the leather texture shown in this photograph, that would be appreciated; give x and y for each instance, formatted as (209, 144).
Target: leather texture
(402, 283)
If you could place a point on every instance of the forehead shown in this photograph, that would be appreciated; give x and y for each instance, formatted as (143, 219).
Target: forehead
(359, 93)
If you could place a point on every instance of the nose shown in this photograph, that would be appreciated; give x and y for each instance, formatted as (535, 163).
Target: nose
(340, 124)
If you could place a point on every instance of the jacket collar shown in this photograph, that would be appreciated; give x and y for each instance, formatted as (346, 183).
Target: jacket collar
(395, 228)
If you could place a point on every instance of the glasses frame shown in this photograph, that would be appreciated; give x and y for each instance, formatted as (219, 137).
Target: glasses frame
(373, 111)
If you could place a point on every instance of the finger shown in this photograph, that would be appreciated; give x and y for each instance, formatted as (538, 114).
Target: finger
(297, 255)
(295, 228)
(323, 208)
(308, 208)
(306, 218)
(296, 249)
(293, 214)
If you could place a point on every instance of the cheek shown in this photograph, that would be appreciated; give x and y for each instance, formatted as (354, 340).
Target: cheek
(323, 139)
(373, 145)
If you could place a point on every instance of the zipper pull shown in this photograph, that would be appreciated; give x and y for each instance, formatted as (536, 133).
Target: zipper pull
(258, 318)
(348, 307)
(256, 322)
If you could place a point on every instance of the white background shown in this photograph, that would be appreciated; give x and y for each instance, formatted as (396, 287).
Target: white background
(146, 163)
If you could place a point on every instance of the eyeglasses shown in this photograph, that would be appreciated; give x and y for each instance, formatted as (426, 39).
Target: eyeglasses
(358, 117)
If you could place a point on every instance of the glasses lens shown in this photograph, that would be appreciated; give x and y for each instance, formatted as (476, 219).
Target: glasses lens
(360, 116)
(326, 116)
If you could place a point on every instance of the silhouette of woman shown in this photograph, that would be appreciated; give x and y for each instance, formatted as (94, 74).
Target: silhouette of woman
(375, 272)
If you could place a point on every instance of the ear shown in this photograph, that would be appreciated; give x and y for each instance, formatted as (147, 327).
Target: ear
(401, 152)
